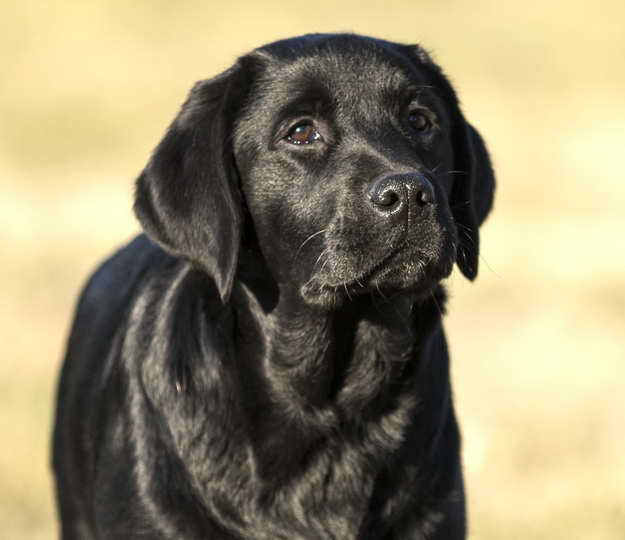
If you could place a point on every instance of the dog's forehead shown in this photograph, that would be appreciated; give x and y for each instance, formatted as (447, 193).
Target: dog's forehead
(339, 67)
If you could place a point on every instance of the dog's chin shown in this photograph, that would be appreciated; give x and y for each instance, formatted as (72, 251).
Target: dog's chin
(399, 275)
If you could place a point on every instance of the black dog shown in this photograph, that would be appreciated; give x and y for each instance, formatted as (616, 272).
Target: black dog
(269, 362)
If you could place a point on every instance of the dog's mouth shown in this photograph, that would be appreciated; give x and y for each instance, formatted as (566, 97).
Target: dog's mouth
(402, 269)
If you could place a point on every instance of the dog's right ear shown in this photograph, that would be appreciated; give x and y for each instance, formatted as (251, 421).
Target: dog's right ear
(187, 198)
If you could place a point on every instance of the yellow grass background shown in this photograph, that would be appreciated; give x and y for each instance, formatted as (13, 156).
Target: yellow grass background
(538, 342)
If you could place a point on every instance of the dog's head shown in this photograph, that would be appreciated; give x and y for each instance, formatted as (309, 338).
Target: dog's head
(347, 159)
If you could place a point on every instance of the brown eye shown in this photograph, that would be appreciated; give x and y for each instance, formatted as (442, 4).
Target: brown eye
(303, 133)
(420, 121)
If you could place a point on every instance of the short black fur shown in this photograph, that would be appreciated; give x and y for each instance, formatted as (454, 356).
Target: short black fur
(269, 361)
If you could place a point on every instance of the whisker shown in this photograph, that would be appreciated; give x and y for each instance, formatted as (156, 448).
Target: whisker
(465, 257)
(325, 251)
(465, 231)
(438, 307)
(324, 262)
(464, 227)
(305, 285)
(460, 204)
(489, 266)
(308, 240)
(468, 236)
(377, 286)
(346, 290)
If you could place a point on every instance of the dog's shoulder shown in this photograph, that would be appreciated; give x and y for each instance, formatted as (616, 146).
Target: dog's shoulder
(104, 303)
(116, 277)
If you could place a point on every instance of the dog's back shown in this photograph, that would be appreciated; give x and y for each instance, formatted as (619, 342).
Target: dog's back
(85, 395)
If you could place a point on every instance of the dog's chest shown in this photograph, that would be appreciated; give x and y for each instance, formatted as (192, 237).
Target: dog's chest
(346, 493)
(335, 490)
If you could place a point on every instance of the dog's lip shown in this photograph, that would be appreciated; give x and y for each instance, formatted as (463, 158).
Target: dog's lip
(363, 280)
(381, 264)
(358, 281)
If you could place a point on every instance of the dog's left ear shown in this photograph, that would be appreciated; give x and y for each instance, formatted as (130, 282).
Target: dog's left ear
(187, 197)
(472, 193)
(474, 181)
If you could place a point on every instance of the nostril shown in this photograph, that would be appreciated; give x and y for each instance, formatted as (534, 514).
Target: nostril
(425, 196)
(387, 198)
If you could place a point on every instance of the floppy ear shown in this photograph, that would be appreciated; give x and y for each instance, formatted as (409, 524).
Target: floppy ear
(472, 193)
(187, 198)
(474, 182)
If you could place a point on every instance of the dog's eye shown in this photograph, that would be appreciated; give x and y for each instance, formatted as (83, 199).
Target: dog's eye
(303, 133)
(420, 121)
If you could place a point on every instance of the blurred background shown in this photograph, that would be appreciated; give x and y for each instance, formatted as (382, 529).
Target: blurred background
(538, 341)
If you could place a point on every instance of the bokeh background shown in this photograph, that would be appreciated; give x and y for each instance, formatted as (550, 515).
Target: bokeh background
(538, 342)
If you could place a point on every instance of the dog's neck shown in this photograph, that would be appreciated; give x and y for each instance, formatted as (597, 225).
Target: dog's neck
(310, 371)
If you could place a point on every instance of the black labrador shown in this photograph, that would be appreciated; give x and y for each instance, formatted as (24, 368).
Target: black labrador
(268, 362)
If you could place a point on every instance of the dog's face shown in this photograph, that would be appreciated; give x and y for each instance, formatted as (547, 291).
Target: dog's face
(346, 156)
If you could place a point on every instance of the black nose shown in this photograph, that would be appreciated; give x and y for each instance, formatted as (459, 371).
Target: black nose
(393, 193)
